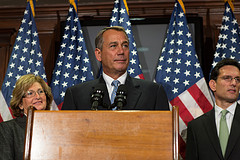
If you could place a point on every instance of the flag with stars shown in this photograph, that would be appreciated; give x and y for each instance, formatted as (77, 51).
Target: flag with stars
(228, 45)
(26, 57)
(72, 65)
(120, 17)
(179, 72)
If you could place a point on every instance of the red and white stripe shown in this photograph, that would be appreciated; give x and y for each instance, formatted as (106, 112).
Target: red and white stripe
(5, 113)
(192, 103)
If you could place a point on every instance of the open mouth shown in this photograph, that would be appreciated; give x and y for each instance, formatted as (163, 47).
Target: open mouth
(232, 90)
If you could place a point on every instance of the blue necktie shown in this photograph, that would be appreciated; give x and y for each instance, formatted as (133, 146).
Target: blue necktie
(115, 85)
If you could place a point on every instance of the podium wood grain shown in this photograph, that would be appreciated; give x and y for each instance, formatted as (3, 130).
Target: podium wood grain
(102, 135)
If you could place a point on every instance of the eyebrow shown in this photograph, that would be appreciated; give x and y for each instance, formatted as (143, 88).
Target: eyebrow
(113, 43)
(37, 89)
(126, 42)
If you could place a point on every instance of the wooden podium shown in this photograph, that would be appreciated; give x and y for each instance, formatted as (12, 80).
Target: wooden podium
(102, 135)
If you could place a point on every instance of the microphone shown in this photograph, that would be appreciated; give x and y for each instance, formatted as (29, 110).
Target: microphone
(97, 96)
(121, 97)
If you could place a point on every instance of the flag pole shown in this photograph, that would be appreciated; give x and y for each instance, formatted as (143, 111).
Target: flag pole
(32, 7)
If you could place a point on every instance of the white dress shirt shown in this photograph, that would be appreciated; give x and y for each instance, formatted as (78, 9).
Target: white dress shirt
(229, 116)
(109, 81)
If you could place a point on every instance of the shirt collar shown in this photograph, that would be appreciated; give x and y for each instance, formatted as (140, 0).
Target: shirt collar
(230, 109)
(108, 79)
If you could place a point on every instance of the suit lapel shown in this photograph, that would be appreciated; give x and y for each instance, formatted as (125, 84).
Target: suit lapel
(235, 132)
(133, 93)
(211, 129)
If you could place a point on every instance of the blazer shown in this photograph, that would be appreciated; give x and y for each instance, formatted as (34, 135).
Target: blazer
(12, 135)
(141, 95)
(203, 142)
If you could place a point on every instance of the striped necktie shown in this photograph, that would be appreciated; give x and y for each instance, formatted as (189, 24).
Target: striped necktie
(115, 84)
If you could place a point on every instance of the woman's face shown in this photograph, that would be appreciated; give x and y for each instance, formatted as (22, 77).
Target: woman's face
(34, 96)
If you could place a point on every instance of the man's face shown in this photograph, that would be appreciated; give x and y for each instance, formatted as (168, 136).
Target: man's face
(114, 54)
(226, 87)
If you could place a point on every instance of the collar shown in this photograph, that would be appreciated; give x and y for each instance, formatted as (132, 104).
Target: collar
(108, 79)
(231, 109)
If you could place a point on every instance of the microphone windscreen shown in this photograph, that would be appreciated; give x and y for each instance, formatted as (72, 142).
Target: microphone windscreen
(100, 87)
(122, 88)
(121, 97)
(97, 96)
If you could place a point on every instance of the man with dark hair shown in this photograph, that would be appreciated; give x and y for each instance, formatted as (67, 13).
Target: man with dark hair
(216, 134)
(112, 50)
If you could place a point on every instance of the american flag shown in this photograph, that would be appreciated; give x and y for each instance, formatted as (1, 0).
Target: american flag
(120, 17)
(73, 65)
(228, 45)
(180, 73)
(26, 57)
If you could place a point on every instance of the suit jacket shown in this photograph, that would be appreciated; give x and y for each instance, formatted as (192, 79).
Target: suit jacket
(141, 95)
(12, 135)
(203, 142)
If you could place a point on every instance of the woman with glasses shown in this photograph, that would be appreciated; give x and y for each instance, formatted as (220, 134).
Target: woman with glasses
(30, 90)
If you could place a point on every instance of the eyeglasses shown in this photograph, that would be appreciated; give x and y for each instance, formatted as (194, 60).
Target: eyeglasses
(32, 93)
(229, 79)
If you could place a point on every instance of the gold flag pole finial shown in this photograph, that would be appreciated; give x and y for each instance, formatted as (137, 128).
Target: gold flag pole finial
(72, 2)
(125, 3)
(182, 5)
(32, 7)
(230, 3)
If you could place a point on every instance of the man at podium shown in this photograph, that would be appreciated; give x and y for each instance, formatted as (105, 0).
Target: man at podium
(115, 89)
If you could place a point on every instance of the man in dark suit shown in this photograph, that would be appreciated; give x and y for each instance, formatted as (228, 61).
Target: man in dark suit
(112, 50)
(216, 134)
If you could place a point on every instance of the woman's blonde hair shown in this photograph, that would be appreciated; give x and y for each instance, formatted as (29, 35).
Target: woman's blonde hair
(21, 87)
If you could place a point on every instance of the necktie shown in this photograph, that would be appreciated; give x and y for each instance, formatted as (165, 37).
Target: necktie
(115, 85)
(223, 132)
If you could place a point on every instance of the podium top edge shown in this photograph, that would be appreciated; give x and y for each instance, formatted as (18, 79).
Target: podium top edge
(103, 111)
